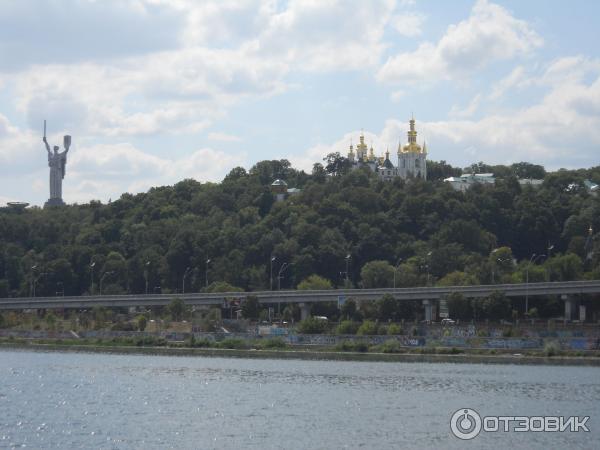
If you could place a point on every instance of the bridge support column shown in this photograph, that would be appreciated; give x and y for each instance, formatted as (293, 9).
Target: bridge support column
(428, 304)
(570, 307)
(304, 310)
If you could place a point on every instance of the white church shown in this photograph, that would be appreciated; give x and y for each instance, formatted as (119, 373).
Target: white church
(412, 158)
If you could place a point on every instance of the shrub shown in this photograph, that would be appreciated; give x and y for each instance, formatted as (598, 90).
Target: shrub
(232, 343)
(394, 329)
(351, 346)
(141, 322)
(273, 343)
(347, 327)
(391, 346)
(312, 325)
(551, 348)
(367, 328)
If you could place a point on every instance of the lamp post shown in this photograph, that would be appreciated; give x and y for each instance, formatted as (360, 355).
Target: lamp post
(348, 258)
(185, 274)
(92, 265)
(282, 269)
(396, 267)
(36, 279)
(104, 275)
(33, 268)
(531, 260)
(273, 258)
(428, 263)
(206, 271)
(146, 270)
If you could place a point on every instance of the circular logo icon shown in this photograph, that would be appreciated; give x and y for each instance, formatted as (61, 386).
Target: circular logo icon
(465, 423)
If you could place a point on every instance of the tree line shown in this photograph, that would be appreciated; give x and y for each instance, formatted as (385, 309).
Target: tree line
(345, 228)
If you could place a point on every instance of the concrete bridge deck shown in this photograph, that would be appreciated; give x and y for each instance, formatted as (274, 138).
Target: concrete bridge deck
(401, 294)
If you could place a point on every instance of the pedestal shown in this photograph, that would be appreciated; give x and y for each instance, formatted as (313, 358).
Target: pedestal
(54, 202)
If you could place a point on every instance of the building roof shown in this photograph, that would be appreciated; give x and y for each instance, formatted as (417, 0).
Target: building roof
(279, 182)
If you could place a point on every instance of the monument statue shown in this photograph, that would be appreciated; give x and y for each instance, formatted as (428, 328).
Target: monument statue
(57, 163)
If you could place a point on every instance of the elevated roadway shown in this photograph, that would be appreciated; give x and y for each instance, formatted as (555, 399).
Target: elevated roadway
(305, 297)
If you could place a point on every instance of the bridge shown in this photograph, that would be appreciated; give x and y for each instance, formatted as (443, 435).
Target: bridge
(304, 298)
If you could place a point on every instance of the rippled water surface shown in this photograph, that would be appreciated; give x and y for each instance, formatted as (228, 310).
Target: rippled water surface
(79, 400)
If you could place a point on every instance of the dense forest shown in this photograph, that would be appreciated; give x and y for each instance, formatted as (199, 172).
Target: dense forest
(344, 228)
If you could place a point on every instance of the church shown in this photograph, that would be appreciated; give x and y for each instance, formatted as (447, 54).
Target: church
(412, 158)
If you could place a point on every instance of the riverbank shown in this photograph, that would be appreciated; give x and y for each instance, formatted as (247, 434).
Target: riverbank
(312, 354)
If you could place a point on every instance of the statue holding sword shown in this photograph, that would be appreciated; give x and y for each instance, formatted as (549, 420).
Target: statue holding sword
(57, 163)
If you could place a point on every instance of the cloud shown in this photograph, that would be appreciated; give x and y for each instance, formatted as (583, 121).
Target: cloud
(107, 171)
(321, 36)
(223, 137)
(408, 24)
(516, 78)
(490, 34)
(469, 110)
(72, 31)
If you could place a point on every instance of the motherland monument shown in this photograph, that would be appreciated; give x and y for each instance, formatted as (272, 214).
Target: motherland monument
(57, 163)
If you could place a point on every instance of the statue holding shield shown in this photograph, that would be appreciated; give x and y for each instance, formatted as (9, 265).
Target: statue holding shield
(57, 163)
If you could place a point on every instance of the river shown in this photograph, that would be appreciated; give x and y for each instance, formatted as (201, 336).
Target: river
(85, 400)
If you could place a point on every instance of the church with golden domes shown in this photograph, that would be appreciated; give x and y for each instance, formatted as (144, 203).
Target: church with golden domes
(412, 158)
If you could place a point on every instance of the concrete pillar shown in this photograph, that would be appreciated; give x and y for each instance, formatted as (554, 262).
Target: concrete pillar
(428, 310)
(304, 310)
(570, 307)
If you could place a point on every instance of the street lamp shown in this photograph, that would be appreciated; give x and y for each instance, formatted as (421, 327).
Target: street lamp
(282, 269)
(273, 258)
(33, 268)
(104, 275)
(92, 265)
(396, 267)
(348, 258)
(146, 269)
(186, 273)
(427, 265)
(36, 279)
(531, 261)
(206, 271)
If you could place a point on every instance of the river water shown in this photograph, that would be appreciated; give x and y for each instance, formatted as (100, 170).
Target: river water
(81, 400)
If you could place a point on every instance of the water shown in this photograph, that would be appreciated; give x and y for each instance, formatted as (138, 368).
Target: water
(79, 400)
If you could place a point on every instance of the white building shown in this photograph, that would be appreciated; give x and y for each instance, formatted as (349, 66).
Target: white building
(467, 180)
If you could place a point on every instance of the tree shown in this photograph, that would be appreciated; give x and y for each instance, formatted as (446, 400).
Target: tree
(497, 307)
(314, 283)
(176, 309)
(251, 307)
(222, 286)
(141, 322)
(459, 307)
(377, 274)
(336, 164)
(386, 307)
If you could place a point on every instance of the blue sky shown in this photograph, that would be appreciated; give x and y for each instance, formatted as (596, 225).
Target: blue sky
(154, 91)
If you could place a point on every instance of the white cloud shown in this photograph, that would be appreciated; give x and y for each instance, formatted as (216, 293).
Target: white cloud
(106, 171)
(490, 34)
(469, 110)
(514, 79)
(224, 137)
(315, 35)
(408, 24)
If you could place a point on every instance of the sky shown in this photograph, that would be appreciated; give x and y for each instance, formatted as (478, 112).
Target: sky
(156, 91)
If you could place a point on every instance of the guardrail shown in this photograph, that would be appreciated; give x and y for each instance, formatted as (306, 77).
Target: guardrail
(401, 294)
